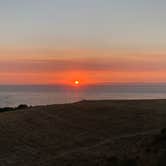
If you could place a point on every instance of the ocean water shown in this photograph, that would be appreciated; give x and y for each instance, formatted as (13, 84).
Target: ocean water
(58, 94)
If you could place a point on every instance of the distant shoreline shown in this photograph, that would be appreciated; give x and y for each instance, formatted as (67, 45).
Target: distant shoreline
(25, 106)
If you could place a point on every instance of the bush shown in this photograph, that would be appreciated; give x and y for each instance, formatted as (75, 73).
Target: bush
(6, 109)
(22, 106)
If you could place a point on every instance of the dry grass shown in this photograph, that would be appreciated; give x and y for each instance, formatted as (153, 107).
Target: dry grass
(83, 133)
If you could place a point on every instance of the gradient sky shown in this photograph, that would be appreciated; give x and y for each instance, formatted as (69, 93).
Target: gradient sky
(59, 41)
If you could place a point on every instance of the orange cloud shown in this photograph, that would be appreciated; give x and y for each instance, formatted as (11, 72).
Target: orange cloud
(50, 66)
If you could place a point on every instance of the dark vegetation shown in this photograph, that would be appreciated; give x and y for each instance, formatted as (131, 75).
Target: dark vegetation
(87, 133)
(21, 106)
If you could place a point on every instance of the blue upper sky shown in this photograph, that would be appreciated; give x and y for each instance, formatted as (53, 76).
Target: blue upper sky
(127, 24)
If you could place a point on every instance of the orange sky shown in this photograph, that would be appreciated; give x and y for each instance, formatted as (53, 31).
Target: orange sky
(59, 41)
(51, 66)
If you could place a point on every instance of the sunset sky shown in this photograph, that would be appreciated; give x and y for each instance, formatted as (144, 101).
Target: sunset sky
(94, 41)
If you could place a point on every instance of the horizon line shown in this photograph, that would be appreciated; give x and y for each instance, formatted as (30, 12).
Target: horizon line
(88, 84)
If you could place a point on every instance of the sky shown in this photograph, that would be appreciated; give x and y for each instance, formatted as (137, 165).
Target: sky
(94, 41)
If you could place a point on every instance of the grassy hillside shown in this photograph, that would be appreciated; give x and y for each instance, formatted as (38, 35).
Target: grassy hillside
(83, 133)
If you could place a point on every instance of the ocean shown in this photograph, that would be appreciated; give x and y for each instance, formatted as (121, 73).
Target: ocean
(13, 95)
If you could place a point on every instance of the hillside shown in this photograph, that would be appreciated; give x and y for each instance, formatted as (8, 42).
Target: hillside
(83, 133)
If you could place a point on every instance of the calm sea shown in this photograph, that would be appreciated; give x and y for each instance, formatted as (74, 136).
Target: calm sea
(43, 95)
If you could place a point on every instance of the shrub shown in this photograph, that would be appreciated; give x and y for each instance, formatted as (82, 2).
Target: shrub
(22, 106)
(6, 109)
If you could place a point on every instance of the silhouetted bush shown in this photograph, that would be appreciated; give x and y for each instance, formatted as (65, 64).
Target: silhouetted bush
(22, 106)
(6, 109)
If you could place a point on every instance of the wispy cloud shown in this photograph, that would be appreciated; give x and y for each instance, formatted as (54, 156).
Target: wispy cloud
(91, 64)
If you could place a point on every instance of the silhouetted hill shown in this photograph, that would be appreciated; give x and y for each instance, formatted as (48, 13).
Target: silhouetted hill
(117, 133)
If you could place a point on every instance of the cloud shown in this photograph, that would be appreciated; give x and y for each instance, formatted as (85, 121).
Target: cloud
(52, 60)
(87, 64)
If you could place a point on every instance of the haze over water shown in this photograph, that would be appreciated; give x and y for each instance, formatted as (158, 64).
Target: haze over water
(47, 94)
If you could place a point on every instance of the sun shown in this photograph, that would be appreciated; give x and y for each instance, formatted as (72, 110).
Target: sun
(76, 82)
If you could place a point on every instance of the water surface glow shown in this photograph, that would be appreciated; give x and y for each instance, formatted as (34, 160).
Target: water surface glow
(13, 95)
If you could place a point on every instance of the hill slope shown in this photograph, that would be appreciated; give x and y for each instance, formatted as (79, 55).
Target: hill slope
(80, 133)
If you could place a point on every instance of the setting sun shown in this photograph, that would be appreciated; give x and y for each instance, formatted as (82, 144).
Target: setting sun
(77, 82)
